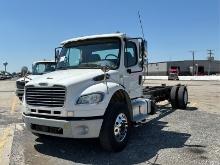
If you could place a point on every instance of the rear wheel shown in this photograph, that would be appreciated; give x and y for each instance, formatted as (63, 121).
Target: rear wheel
(173, 97)
(115, 129)
(182, 97)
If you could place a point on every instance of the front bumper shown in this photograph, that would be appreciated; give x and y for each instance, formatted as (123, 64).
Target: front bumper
(89, 128)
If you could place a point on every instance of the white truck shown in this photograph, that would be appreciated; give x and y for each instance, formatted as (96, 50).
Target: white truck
(38, 68)
(96, 91)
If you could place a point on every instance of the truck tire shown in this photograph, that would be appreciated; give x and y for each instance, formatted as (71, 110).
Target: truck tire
(116, 127)
(182, 97)
(173, 97)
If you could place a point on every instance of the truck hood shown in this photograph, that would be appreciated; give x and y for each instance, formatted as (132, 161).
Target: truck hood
(67, 77)
(29, 78)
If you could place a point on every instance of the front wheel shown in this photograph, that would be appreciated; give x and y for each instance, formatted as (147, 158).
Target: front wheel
(116, 128)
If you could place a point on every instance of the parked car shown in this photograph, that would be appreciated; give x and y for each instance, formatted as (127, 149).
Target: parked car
(2, 77)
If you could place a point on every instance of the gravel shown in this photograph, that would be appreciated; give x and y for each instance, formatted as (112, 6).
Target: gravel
(188, 137)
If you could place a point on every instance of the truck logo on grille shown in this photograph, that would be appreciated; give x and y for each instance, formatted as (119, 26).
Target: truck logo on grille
(43, 84)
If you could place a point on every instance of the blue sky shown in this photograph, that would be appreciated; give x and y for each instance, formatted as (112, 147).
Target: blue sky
(30, 30)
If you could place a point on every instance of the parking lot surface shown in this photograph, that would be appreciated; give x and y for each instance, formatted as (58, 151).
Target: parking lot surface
(170, 136)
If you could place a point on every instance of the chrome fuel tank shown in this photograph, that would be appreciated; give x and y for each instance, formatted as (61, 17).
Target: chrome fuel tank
(141, 108)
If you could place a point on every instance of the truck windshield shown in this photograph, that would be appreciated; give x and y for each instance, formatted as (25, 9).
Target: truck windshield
(90, 54)
(43, 67)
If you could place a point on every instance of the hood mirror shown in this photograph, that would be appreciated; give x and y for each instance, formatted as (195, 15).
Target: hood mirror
(105, 68)
(24, 71)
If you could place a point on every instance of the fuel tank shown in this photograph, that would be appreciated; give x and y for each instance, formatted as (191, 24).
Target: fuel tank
(141, 108)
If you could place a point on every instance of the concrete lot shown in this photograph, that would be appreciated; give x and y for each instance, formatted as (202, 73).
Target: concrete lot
(188, 136)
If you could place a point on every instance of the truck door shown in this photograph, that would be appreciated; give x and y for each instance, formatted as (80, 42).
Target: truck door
(133, 71)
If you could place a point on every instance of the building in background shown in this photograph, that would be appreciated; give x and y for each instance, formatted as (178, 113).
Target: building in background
(201, 67)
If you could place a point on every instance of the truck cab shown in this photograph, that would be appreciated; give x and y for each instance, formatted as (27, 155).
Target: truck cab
(96, 91)
(173, 73)
(38, 68)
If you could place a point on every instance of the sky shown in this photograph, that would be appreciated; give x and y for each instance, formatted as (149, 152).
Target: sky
(31, 29)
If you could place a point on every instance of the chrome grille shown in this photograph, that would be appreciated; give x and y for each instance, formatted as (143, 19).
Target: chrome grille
(45, 96)
(20, 84)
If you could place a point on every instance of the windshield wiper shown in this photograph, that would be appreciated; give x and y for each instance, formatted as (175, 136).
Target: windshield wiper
(89, 65)
(62, 68)
(37, 73)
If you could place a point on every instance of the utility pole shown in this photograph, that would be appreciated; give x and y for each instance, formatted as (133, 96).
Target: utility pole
(210, 59)
(193, 64)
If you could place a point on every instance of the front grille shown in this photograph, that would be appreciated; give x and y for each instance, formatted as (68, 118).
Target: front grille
(20, 84)
(45, 96)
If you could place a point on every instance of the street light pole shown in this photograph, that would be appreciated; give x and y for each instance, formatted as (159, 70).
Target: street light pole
(193, 67)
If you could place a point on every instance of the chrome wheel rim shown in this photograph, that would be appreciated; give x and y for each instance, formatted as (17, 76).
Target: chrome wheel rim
(120, 127)
(185, 97)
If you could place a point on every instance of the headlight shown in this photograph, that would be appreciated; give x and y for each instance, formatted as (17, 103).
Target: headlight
(93, 98)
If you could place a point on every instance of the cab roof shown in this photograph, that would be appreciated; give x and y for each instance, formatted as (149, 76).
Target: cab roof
(46, 61)
(93, 37)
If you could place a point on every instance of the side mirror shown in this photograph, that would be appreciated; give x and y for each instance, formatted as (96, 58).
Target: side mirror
(24, 71)
(144, 48)
(57, 53)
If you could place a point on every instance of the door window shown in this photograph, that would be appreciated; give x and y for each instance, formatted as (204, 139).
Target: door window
(130, 54)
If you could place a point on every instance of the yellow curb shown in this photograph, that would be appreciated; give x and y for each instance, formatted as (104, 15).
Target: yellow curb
(6, 139)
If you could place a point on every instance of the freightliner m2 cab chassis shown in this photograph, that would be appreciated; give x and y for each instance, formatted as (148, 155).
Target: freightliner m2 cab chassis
(96, 91)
